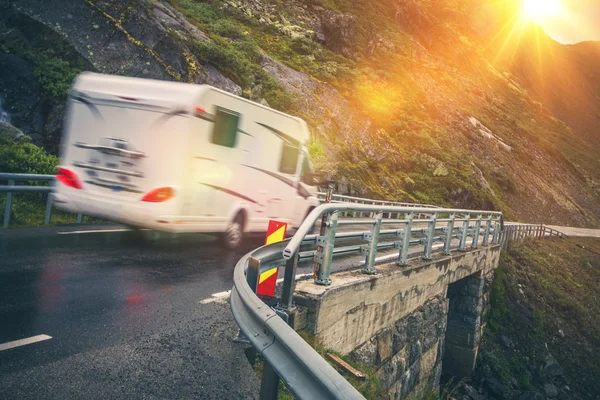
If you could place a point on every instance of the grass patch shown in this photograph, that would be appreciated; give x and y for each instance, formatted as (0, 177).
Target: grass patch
(370, 387)
(559, 280)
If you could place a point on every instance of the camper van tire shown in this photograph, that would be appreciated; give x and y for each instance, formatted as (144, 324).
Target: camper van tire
(234, 234)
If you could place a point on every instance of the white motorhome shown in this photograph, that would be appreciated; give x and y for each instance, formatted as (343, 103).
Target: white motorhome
(181, 158)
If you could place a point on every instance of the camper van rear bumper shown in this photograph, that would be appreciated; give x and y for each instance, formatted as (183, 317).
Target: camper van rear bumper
(144, 215)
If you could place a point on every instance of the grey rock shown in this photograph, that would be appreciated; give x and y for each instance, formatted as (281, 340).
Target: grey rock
(340, 33)
(414, 326)
(550, 390)
(552, 368)
(384, 346)
(471, 392)
(409, 380)
(562, 395)
(366, 353)
(400, 334)
(506, 342)
(499, 390)
(415, 353)
(531, 396)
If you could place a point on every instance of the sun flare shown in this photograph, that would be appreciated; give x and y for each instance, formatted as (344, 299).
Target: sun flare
(537, 9)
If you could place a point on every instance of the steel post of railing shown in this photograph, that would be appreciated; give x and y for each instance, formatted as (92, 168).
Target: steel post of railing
(48, 214)
(464, 234)
(269, 385)
(327, 242)
(405, 240)
(475, 242)
(486, 232)
(8, 205)
(428, 240)
(369, 267)
(449, 233)
(289, 282)
(496, 237)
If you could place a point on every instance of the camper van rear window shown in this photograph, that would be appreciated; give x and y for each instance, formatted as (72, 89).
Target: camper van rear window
(289, 159)
(226, 127)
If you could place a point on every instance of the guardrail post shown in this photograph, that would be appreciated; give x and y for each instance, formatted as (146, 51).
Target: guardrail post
(486, 233)
(475, 242)
(405, 239)
(369, 267)
(269, 386)
(79, 218)
(289, 281)
(8, 205)
(496, 238)
(327, 243)
(449, 234)
(48, 215)
(465, 233)
(429, 237)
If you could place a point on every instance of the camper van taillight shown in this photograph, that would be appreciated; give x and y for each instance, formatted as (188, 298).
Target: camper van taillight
(200, 109)
(69, 178)
(159, 195)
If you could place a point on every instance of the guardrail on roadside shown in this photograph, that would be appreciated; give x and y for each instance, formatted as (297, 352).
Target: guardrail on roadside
(287, 357)
(14, 187)
(515, 233)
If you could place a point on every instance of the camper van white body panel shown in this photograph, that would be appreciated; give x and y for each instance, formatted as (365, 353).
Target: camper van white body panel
(222, 155)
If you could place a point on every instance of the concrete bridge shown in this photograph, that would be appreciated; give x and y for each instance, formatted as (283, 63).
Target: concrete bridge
(413, 324)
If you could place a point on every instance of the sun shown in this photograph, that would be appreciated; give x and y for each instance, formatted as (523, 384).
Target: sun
(538, 9)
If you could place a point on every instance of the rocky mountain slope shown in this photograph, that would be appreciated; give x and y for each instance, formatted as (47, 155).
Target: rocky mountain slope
(407, 100)
(543, 337)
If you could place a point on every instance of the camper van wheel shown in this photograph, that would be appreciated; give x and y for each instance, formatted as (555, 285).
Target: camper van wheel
(232, 238)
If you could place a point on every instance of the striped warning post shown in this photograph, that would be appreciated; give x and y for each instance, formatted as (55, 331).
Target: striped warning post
(268, 279)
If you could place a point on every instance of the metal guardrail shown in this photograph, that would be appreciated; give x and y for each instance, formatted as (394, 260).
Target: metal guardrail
(287, 357)
(339, 198)
(13, 187)
(515, 233)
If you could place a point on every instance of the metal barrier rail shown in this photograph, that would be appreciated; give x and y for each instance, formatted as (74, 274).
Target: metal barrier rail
(13, 187)
(287, 357)
(456, 224)
(515, 233)
(339, 198)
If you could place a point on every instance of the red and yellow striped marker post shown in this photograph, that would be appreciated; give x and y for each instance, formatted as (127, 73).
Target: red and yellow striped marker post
(267, 280)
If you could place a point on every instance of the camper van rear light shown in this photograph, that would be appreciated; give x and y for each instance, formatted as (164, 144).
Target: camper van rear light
(128, 98)
(200, 109)
(69, 178)
(159, 195)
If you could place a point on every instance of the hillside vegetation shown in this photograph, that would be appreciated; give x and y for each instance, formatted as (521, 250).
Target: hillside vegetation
(425, 101)
(543, 333)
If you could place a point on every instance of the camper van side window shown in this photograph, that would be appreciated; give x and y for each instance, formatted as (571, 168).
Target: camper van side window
(289, 159)
(226, 127)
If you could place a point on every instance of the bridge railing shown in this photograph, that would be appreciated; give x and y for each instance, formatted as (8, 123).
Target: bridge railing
(515, 233)
(287, 357)
(15, 185)
(339, 198)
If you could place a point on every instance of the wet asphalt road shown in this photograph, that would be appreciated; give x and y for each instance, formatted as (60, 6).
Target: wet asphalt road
(124, 314)
(127, 314)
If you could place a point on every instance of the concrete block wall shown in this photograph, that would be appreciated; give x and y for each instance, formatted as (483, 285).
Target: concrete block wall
(408, 356)
(398, 320)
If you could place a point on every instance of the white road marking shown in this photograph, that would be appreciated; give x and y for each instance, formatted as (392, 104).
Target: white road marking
(94, 231)
(23, 342)
(222, 297)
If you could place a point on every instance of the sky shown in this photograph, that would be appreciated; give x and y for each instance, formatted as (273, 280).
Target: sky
(578, 21)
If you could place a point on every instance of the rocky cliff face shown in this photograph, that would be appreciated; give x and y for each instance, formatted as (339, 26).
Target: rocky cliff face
(390, 89)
